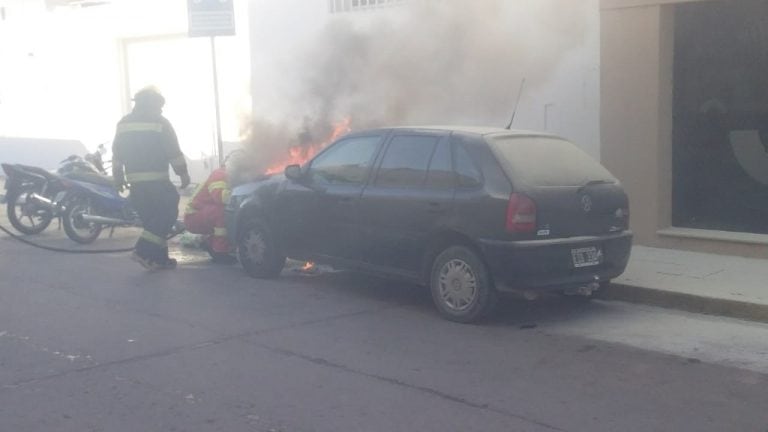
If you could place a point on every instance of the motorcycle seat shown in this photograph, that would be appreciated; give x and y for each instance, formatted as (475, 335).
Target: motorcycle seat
(36, 170)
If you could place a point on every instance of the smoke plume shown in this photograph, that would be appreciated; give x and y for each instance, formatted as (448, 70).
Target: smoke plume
(427, 62)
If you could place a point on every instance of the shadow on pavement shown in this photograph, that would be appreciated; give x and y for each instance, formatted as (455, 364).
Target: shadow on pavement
(511, 312)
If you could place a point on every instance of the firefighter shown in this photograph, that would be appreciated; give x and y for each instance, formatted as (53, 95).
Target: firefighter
(144, 145)
(205, 212)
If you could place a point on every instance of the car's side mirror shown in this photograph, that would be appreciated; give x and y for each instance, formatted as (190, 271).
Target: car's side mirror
(293, 172)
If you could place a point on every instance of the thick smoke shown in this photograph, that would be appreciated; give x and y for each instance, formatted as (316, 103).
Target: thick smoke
(428, 62)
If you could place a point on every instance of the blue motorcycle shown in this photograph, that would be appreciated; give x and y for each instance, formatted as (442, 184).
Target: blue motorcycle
(91, 207)
(36, 196)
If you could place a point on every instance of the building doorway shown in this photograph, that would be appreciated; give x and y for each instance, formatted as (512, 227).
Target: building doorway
(181, 68)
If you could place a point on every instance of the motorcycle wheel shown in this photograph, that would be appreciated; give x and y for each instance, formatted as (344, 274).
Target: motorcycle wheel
(76, 228)
(25, 216)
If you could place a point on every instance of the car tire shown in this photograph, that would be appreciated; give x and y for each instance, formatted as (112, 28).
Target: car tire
(461, 285)
(258, 251)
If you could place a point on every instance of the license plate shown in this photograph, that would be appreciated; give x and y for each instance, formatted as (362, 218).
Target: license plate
(587, 256)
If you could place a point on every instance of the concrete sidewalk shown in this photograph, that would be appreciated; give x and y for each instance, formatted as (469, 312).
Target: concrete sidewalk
(696, 282)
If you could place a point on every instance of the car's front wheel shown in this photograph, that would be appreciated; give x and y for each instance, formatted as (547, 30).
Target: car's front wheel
(461, 286)
(258, 251)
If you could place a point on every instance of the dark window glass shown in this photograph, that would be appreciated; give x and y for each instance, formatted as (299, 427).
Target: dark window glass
(440, 174)
(544, 161)
(347, 162)
(406, 161)
(720, 140)
(468, 174)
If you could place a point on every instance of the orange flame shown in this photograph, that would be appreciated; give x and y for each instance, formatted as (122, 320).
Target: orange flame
(309, 265)
(298, 155)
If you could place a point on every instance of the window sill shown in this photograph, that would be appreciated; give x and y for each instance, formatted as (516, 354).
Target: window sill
(721, 236)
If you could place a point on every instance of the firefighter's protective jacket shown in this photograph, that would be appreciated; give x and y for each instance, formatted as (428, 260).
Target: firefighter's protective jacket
(214, 192)
(205, 212)
(143, 147)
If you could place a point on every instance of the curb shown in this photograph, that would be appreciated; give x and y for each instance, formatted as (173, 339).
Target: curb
(685, 302)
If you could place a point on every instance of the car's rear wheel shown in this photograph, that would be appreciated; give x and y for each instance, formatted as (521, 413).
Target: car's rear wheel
(258, 251)
(461, 286)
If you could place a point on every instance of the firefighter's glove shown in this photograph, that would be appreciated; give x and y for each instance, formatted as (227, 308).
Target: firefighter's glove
(184, 180)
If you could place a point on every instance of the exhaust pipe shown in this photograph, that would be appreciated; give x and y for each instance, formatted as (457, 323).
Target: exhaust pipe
(588, 289)
(585, 290)
(103, 220)
(42, 201)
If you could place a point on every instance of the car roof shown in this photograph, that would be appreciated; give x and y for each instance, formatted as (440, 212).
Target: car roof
(479, 130)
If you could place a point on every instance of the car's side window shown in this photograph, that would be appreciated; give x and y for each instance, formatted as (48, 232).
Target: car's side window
(440, 174)
(347, 162)
(468, 174)
(406, 161)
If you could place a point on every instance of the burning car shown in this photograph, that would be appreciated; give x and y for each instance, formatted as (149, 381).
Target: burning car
(470, 212)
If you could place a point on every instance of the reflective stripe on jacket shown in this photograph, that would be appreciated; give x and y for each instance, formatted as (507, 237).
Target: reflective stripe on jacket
(215, 191)
(145, 144)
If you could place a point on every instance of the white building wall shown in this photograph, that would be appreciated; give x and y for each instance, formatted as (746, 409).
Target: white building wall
(68, 73)
(63, 74)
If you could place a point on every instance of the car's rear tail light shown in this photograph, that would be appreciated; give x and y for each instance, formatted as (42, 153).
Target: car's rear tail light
(623, 215)
(521, 214)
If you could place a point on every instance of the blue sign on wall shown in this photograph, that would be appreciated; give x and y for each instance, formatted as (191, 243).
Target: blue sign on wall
(211, 17)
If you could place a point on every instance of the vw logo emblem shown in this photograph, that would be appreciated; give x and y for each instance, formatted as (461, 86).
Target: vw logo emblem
(586, 203)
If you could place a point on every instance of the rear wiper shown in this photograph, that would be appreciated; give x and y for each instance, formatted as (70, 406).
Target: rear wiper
(594, 183)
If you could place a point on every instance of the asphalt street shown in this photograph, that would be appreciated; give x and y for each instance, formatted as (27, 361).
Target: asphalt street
(94, 343)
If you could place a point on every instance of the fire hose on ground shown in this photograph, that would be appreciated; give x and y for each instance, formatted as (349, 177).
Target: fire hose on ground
(176, 231)
(72, 251)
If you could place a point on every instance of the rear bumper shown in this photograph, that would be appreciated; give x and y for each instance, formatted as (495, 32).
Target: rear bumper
(548, 264)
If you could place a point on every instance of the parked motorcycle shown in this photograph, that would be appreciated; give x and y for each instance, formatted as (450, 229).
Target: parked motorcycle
(92, 207)
(30, 197)
(36, 196)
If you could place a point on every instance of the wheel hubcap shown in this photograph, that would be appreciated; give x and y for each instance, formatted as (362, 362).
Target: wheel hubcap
(77, 219)
(28, 211)
(458, 285)
(255, 245)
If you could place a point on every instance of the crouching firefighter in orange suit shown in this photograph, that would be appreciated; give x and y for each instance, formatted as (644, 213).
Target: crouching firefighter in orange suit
(205, 213)
(144, 145)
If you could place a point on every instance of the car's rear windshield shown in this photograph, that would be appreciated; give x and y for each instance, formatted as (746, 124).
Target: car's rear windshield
(547, 161)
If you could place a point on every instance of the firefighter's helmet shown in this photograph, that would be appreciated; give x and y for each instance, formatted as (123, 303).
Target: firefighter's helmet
(149, 96)
(239, 165)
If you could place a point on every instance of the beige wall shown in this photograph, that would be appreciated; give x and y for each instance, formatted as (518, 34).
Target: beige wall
(618, 4)
(637, 41)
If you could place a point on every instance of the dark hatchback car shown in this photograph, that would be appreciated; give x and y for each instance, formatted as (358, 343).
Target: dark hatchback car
(470, 212)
